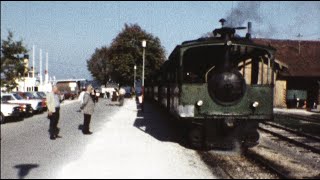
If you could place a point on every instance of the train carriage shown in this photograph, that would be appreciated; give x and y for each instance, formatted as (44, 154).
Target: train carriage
(221, 87)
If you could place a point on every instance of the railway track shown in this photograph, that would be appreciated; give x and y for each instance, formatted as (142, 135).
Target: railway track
(311, 119)
(233, 165)
(271, 166)
(289, 153)
(297, 138)
(315, 138)
(283, 153)
(309, 142)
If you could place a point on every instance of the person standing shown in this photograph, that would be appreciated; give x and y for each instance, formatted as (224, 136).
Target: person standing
(81, 95)
(93, 95)
(53, 104)
(87, 108)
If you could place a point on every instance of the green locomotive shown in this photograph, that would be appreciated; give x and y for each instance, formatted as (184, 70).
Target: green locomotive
(221, 87)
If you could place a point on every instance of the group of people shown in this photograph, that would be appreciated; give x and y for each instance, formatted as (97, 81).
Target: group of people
(87, 103)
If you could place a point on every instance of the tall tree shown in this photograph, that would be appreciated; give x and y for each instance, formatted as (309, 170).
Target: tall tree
(12, 65)
(99, 65)
(126, 52)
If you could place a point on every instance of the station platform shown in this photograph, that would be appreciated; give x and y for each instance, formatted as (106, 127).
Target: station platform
(133, 144)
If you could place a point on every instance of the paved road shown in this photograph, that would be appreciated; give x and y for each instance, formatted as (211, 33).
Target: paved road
(126, 144)
(27, 151)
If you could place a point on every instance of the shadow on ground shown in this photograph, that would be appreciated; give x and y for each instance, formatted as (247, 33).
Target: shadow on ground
(157, 122)
(13, 119)
(24, 169)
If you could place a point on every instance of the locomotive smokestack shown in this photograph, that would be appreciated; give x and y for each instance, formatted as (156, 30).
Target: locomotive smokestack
(248, 35)
(249, 27)
(222, 21)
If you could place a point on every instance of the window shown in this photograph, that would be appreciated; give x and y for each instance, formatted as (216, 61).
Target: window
(257, 71)
(198, 60)
(17, 96)
(6, 98)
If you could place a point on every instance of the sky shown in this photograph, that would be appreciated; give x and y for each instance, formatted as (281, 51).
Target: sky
(71, 31)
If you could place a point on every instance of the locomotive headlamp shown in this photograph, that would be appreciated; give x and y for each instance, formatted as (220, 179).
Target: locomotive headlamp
(200, 103)
(255, 104)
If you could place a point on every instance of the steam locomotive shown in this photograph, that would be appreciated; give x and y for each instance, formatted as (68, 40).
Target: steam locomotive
(221, 87)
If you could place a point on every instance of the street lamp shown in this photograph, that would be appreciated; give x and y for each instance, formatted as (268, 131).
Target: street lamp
(144, 45)
(134, 78)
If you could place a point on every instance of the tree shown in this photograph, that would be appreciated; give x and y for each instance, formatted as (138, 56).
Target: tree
(126, 52)
(12, 65)
(99, 65)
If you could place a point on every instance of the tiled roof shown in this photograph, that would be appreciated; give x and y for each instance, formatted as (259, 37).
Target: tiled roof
(305, 64)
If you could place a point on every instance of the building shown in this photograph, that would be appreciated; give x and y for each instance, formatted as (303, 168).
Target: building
(298, 81)
(27, 82)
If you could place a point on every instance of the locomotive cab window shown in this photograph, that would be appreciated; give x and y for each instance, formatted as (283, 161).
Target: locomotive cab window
(253, 63)
(197, 61)
(257, 70)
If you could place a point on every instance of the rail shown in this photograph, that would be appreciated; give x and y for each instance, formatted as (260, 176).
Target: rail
(305, 137)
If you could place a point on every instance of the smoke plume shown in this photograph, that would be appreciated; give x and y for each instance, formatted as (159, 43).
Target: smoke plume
(244, 12)
(266, 25)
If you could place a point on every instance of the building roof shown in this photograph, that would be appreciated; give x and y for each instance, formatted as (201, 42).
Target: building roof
(305, 64)
(68, 80)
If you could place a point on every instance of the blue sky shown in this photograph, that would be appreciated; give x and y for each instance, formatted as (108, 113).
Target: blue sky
(71, 31)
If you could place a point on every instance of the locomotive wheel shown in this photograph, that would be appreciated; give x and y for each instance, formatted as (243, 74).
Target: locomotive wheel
(251, 140)
(196, 137)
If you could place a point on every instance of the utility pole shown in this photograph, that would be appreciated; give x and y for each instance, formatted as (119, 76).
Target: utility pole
(33, 63)
(134, 78)
(46, 71)
(299, 36)
(40, 66)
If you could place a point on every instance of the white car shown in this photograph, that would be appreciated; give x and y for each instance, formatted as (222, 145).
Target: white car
(9, 110)
(36, 104)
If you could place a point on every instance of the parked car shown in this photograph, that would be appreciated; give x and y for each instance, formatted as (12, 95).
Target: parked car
(36, 104)
(34, 95)
(42, 94)
(26, 108)
(68, 95)
(9, 110)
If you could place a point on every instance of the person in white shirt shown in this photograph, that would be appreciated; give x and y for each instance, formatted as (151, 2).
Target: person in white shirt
(81, 96)
(53, 104)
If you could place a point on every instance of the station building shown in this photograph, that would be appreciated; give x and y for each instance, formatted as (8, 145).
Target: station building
(298, 73)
